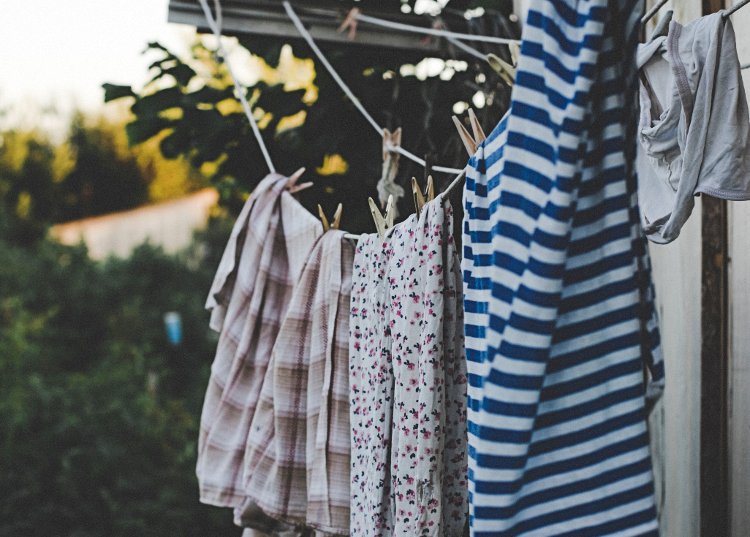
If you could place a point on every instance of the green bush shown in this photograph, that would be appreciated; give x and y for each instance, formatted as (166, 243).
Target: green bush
(100, 414)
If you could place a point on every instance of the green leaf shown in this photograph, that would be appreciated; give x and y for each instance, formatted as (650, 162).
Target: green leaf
(145, 128)
(113, 92)
(281, 103)
(181, 72)
(175, 144)
(155, 45)
(151, 105)
(208, 95)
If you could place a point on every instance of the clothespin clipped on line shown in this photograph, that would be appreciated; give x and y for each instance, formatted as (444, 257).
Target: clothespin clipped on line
(334, 224)
(419, 198)
(505, 70)
(383, 222)
(387, 186)
(350, 23)
(292, 185)
(477, 136)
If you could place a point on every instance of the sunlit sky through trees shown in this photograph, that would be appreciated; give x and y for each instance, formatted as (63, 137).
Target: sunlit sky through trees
(58, 53)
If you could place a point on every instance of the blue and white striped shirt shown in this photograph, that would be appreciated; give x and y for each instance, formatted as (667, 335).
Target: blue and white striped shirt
(559, 306)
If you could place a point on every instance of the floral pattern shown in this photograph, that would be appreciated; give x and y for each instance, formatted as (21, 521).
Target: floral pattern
(408, 381)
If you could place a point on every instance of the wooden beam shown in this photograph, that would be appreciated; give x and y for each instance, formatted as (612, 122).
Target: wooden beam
(322, 18)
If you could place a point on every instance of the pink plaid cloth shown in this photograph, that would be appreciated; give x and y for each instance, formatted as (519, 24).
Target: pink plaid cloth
(297, 459)
(248, 299)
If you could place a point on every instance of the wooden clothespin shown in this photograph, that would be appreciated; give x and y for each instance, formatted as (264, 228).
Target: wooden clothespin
(350, 23)
(387, 185)
(466, 138)
(476, 128)
(471, 141)
(515, 51)
(383, 222)
(419, 198)
(334, 224)
(292, 185)
(506, 71)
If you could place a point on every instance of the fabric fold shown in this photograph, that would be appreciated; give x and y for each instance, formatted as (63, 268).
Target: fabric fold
(296, 466)
(249, 298)
(694, 129)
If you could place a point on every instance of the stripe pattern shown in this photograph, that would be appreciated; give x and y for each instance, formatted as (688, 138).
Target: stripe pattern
(559, 316)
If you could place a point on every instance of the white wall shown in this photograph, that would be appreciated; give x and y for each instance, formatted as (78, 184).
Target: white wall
(675, 422)
(739, 332)
(170, 225)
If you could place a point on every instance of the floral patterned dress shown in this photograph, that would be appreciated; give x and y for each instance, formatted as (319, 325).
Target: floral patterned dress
(408, 381)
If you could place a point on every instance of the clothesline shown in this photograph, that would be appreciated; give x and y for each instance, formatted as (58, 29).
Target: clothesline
(453, 37)
(735, 8)
(654, 10)
(239, 90)
(352, 97)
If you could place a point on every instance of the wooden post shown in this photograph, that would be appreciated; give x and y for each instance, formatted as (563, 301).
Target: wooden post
(714, 485)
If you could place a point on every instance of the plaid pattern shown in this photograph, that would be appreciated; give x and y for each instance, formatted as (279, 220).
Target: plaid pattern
(328, 431)
(247, 307)
(297, 459)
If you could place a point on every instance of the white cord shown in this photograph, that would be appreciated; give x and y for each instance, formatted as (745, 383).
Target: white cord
(735, 8)
(466, 48)
(239, 90)
(353, 98)
(434, 31)
(454, 183)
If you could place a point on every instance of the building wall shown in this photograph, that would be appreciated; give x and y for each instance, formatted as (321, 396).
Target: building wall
(169, 225)
(739, 331)
(675, 422)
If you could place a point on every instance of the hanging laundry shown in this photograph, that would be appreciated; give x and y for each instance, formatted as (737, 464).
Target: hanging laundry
(297, 458)
(558, 300)
(408, 382)
(694, 129)
(248, 299)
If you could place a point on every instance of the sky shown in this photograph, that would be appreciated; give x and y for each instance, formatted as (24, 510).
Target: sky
(59, 52)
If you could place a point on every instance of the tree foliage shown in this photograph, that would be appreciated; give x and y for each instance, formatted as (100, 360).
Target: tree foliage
(187, 104)
(100, 414)
(91, 172)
